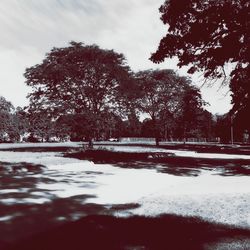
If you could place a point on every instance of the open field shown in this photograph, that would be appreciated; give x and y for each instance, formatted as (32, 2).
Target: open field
(203, 204)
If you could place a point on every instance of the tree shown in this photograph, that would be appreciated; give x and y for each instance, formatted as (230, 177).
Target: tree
(41, 125)
(80, 79)
(17, 124)
(190, 111)
(161, 92)
(6, 125)
(222, 127)
(128, 97)
(5, 106)
(206, 36)
(147, 129)
(65, 126)
(206, 124)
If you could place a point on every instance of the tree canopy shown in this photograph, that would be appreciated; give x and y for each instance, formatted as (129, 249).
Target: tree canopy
(75, 78)
(206, 36)
(79, 79)
(85, 92)
(8, 130)
(166, 97)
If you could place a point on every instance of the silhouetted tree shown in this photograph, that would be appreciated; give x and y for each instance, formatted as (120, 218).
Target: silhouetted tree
(78, 79)
(206, 123)
(41, 124)
(6, 124)
(206, 36)
(191, 107)
(20, 124)
(128, 97)
(147, 128)
(161, 93)
(222, 128)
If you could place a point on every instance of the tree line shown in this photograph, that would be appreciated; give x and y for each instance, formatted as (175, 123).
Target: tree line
(83, 92)
(19, 124)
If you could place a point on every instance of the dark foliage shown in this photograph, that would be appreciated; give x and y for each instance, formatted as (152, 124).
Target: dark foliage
(79, 79)
(209, 35)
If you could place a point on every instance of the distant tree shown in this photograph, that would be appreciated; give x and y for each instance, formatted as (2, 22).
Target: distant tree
(80, 80)
(222, 128)
(41, 124)
(161, 93)
(190, 111)
(21, 121)
(206, 36)
(110, 126)
(77, 128)
(147, 128)
(131, 126)
(205, 124)
(128, 97)
(6, 125)
(129, 102)
(5, 106)
(64, 127)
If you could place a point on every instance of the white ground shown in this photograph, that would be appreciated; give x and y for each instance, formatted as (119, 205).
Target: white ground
(209, 196)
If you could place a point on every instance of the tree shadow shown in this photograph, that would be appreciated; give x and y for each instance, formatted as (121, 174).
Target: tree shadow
(166, 162)
(21, 175)
(21, 215)
(187, 166)
(23, 220)
(138, 232)
(40, 149)
(46, 226)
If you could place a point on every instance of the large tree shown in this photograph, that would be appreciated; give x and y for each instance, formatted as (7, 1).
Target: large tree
(208, 35)
(79, 79)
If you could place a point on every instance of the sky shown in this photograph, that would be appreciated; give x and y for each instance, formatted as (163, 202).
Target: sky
(31, 28)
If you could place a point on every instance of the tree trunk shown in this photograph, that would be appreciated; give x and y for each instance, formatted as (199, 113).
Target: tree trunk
(91, 144)
(156, 132)
(184, 134)
(157, 141)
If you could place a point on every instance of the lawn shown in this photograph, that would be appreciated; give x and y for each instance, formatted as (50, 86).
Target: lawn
(122, 197)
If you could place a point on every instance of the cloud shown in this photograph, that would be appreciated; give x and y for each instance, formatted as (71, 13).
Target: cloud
(30, 28)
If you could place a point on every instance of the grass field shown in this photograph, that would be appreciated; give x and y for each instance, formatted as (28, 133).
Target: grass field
(124, 198)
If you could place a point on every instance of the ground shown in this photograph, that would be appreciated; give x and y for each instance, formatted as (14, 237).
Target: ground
(158, 198)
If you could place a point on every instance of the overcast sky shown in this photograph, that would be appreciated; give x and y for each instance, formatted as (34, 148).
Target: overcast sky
(30, 28)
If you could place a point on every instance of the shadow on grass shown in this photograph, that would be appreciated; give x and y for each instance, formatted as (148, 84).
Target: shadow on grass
(108, 232)
(107, 156)
(165, 162)
(39, 149)
(23, 220)
(21, 215)
(20, 212)
(187, 166)
(21, 175)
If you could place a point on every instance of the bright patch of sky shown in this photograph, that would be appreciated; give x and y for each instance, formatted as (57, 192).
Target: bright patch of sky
(30, 28)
